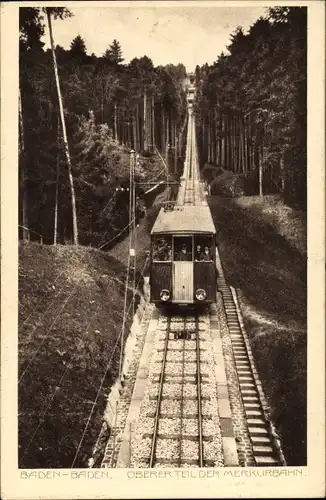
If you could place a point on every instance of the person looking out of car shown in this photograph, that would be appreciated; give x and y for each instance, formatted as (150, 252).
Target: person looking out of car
(184, 253)
(206, 254)
(198, 254)
(168, 252)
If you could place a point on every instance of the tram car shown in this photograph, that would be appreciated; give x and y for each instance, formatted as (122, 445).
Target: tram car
(183, 256)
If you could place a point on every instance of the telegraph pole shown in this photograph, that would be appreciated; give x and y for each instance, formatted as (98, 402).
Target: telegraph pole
(132, 258)
(132, 225)
(134, 229)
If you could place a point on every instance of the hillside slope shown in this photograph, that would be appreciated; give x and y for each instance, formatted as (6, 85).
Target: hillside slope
(70, 316)
(263, 250)
(120, 250)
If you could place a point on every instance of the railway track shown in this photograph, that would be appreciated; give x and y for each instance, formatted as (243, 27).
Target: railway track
(188, 390)
(181, 420)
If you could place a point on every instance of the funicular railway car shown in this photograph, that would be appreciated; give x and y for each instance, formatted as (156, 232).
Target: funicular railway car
(183, 250)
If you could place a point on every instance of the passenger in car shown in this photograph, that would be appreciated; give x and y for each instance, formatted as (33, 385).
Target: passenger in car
(206, 255)
(162, 250)
(168, 252)
(185, 253)
(198, 253)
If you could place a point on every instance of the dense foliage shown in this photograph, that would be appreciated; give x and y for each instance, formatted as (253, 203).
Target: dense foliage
(109, 108)
(251, 104)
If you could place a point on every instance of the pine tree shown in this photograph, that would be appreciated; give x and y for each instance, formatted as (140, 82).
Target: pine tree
(31, 29)
(78, 48)
(114, 53)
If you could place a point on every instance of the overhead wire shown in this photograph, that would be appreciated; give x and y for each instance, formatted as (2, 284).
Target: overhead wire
(68, 366)
(125, 315)
(31, 359)
(121, 334)
(103, 378)
(55, 281)
(99, 248)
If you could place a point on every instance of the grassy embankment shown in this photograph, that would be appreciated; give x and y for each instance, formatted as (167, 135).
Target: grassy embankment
(263, 250)
(70, 316)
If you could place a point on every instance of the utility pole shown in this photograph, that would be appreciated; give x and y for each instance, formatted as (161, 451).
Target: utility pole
(132, 225)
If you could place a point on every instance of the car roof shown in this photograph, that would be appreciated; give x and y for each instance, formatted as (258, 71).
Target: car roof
(184, 220)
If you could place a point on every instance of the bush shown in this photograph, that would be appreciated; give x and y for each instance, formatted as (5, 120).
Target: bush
(228, 184)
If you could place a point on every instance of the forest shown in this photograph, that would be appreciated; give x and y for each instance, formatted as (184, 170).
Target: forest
(250, 109)
(109, 108)
(251, 106)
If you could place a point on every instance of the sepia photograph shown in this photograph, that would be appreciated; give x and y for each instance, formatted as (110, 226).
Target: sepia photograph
(162, 240)
(162, 237)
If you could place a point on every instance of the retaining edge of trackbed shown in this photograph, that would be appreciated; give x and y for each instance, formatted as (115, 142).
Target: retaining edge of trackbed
(116, 396)
(271, 428)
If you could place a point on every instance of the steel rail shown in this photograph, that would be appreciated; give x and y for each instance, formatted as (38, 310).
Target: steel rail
(182, 386)
(200, 424)
(159, 399)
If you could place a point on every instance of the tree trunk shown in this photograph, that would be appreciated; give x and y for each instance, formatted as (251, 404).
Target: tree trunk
(149, 125)
(218, 140)
(221, 141)
(167, 139)
(181, 135)
(175, 148)
(64, 134)
(282, 172)
(115, 118)
(128, 133)
(241, 148)
(102, 103)
(145, 145)
(153, 123)
(252, 145)
(134, 130)
(245, 145)
(137, 128)
(208, 140)
(23, 170)
(260, 160)
(163, 128)
(231, 144)
(235, 145)
(226, 142)
(237, 139)
(55, 230)
(214, 137)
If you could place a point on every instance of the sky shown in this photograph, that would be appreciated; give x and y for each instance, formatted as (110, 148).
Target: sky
(190, 35)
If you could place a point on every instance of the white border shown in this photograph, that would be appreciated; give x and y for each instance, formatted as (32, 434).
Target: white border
(312, 481)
